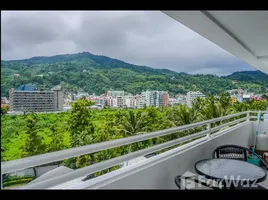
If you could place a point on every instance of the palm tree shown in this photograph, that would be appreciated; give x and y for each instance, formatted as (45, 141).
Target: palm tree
(214, 109)
(181, 115)
(132, 124)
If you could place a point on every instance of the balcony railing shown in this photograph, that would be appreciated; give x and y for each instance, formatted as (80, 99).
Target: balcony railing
(25, 163)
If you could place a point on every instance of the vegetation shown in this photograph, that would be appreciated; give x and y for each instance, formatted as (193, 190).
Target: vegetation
(16, 180)
(32, 134)
(33, 143)
(97, 74)
(4, 109)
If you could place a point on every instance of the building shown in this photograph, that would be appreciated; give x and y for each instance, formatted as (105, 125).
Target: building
(81, 95)
(246, 97)
(68, 98)
(129, 101)
(192, 95)
(113, 93)
(178, 100)
(101, 101)
(16, 75)
(232, 92)
(240, 92)
(155, 98)
(139, 101)
(115, 98)
(28, 98)
(179, 160)
(58, 98)
(116, 101)
(166, 99)
(4, 100)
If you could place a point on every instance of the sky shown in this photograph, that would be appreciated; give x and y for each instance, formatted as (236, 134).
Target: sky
(148, 38)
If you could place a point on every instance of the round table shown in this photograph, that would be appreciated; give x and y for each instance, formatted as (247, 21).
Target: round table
(230, 170)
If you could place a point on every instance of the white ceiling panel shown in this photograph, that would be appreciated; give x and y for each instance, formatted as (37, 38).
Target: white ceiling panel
(242, 33)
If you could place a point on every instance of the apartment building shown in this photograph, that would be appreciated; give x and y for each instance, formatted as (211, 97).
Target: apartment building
(192, 95)
(28, 98)
(155, 98)
(129, 101)
(166, 99)
(147, 98)
(114, 93)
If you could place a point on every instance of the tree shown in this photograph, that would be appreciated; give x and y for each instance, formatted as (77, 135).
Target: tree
(56, 139)
(132, 124)
(3, 110)
(198, 103)
(225, 100)
(80, 124)
(81, 131)
(33, 144)
(265, 96)
(109, 131)
(182, 115)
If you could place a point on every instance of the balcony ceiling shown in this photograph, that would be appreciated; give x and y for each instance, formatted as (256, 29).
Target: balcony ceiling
(242, 33)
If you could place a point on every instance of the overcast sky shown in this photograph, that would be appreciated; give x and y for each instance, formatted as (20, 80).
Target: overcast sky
(148, 38)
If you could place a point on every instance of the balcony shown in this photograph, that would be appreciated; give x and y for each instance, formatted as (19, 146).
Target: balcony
(156, 172)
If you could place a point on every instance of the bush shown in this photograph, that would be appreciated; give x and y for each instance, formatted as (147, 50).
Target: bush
(18, 181)
(12, 178)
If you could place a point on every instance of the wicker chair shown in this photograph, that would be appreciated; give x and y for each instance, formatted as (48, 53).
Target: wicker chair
(235, 152)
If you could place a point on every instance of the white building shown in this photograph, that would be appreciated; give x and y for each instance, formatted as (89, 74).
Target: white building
(192, 95)
(117, 99)
(153, 98)
(129, 101)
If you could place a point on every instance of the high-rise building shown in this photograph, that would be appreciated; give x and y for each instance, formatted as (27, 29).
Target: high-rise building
(166, 99)
(192, 95)
(28, 98)
(155, 98)
(115, 98)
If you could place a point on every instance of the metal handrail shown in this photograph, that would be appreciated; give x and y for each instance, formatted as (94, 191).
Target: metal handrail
(38, 160)
(110, 163)
(117, 160)
(24, 163)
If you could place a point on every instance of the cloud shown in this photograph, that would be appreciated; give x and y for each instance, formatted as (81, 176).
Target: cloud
(140, 37)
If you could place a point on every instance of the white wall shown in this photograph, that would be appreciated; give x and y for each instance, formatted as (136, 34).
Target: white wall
(263, 127)
(158, 172)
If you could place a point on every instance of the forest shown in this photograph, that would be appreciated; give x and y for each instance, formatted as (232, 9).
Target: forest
(32, 134)
(97, 74)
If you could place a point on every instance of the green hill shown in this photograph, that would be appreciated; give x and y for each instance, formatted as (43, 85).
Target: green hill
(96, 74)
(249, 76)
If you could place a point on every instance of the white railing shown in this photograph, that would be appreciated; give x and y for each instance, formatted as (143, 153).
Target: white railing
(24, 163)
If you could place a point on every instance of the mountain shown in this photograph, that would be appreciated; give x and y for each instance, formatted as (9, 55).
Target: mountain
(249, 76)
(98, 60)
(96, 74)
